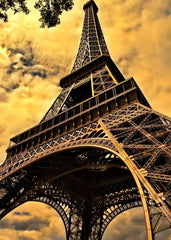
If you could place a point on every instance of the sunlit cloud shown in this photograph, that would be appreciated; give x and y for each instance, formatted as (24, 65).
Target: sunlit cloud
(140, 42)
(125, 226)
(32, 221)
(131, 224)
(138, 37)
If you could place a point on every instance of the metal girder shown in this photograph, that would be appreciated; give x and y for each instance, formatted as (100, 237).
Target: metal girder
(92, 44)
(101, 134)
(58, 104)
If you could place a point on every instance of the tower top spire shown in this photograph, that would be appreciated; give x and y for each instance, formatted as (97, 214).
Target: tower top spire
(90, 3)
(92, 44)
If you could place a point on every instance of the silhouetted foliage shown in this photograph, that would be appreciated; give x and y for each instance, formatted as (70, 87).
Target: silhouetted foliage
(50, 10)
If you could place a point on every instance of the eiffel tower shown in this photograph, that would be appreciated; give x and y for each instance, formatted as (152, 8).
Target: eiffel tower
(99, 150)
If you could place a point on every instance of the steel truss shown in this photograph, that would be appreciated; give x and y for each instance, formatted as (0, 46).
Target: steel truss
(92, 44)
(125, 135)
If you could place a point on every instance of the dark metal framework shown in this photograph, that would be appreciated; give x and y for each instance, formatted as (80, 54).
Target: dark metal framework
(98, 151)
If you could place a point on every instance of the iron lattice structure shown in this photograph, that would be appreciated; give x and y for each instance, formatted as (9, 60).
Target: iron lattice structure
(99, 150)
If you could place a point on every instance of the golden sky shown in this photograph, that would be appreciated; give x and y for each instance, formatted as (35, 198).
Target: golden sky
(32, 61)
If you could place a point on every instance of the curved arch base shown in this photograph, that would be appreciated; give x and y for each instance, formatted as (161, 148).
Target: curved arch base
(94, 173)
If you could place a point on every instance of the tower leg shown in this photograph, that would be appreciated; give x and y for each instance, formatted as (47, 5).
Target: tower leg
(132, 168)
(150, 235)
(84, 225)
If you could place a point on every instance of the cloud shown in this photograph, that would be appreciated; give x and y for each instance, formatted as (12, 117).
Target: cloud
(166, 235)
(33, 224)
(22, 224)
(125, 226)
(17, 213)
(28, 82)
(32, 221)
(33, 60)
(25, 238)
(139, 40)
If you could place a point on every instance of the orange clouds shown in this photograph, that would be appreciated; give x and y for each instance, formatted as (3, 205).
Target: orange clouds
(131, 224)
(140, 41)
(32, 221)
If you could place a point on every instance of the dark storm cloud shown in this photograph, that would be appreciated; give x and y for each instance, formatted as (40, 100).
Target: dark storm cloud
(14, 51)
(21, 213)
(42, 223)
(32, 224)
(24, 63)
(24, 238)
(26, 213)
(17, 213)
(28, 59)
(36, 71)
(10, 88)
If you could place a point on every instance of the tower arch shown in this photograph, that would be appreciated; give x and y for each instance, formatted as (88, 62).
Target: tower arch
(33, 219)
(127, 224)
